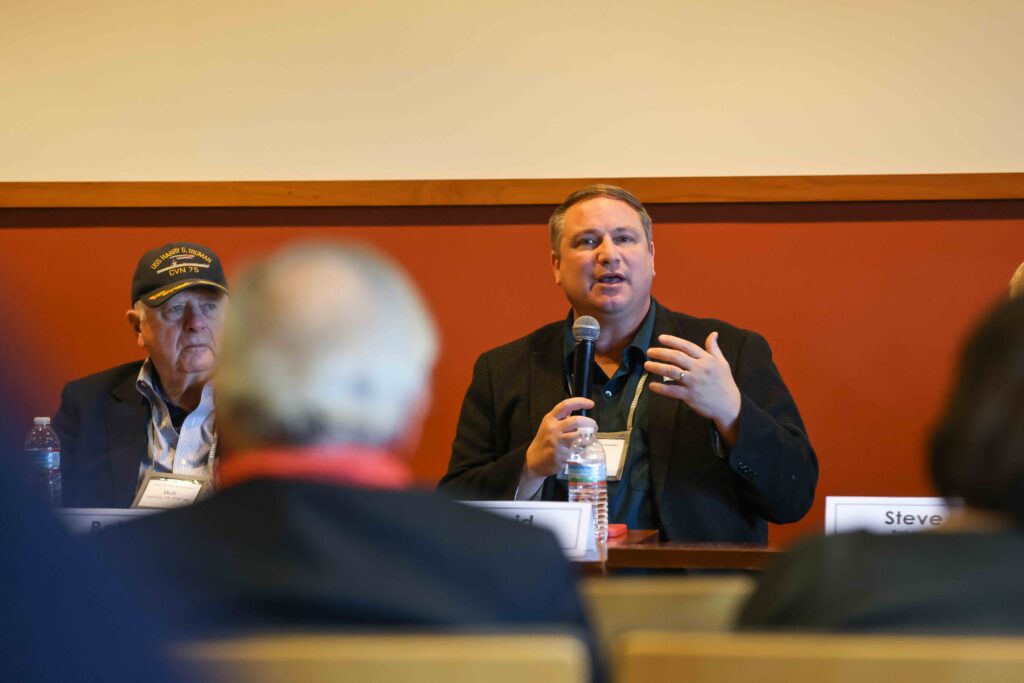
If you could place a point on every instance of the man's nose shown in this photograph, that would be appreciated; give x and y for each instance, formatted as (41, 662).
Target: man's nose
(194, 318)
(607, 251)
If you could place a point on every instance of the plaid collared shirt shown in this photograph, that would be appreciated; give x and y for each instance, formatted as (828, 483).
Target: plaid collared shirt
(186, 452)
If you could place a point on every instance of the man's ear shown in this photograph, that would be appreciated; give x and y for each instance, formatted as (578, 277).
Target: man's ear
(135, 322)
(555, 262)
(652, 258)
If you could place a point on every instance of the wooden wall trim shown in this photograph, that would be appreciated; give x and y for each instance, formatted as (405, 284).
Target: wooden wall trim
(326, 193)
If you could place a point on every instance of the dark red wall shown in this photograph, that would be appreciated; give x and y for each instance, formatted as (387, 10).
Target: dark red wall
(864, 304)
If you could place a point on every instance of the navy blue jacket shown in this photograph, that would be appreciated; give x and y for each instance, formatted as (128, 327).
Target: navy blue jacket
(102, 423)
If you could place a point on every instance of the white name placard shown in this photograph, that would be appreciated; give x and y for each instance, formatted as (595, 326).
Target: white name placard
(88, 520)
(569, 522)
(883, 515)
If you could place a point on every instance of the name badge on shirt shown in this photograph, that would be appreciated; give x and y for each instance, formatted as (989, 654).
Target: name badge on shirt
(616, 445)
(163, 491)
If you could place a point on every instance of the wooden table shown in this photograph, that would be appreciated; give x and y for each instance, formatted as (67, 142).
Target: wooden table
(642, 549)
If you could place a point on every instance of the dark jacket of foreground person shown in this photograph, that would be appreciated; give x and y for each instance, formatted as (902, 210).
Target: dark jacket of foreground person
(941, 583)
(272, 555)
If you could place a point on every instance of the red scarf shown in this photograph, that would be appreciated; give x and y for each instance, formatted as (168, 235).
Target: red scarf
(361, 466)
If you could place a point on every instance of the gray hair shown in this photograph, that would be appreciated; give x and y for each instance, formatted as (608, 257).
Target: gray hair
(323, 344)
(556, 224)
(1017, 282)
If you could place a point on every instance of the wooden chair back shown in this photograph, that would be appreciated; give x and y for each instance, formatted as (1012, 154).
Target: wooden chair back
(649, 657)
(685, 603)
(329, 658)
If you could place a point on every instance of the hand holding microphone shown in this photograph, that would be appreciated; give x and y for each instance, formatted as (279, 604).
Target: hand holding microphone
(549, 451)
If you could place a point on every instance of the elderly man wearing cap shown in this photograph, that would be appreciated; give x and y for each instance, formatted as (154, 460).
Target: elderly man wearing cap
(142, 434)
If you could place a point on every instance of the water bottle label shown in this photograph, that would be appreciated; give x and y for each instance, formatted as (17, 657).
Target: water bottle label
(586, 473)
(46, 460)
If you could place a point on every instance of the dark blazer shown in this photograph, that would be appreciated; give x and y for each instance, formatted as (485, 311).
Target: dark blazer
(272, 554)
(770, 474)
(928, 583)
(102, 423)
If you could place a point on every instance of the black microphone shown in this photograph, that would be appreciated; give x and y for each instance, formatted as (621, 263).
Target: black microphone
(585, 331)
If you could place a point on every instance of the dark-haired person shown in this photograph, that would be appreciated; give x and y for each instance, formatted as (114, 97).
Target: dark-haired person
(124, 426)
(715, 448)
(963, 578)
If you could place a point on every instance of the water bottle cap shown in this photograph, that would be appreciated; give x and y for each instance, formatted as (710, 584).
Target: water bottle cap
(585, 430)
(41, 420)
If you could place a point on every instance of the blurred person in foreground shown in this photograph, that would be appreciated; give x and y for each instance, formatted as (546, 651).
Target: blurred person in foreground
(963, 578)
(142, 422)
(322, 389)
(70, 613)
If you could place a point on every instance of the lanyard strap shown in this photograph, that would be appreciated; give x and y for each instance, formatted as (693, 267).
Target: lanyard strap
(632, 406)
(636, 399)
(212, 454)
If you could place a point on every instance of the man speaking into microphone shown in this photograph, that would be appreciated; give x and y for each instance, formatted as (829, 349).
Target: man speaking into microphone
(705, 442)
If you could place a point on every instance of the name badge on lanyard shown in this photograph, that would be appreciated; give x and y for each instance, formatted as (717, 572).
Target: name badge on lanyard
(616, 444)
(165, 490)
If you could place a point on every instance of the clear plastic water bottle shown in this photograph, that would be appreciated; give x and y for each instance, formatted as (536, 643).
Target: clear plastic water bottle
(588, 480)
(42, 461)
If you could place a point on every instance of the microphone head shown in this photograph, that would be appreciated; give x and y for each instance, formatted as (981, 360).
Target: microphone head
(586, 328)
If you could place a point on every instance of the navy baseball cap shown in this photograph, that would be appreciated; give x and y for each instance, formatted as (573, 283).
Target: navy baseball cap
(173, 268)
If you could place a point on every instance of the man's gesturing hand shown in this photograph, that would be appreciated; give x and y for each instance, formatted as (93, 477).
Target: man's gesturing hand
(549, 450)
(701, 378)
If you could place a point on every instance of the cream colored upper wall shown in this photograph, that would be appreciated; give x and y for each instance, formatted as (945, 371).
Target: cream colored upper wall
(318, 89)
